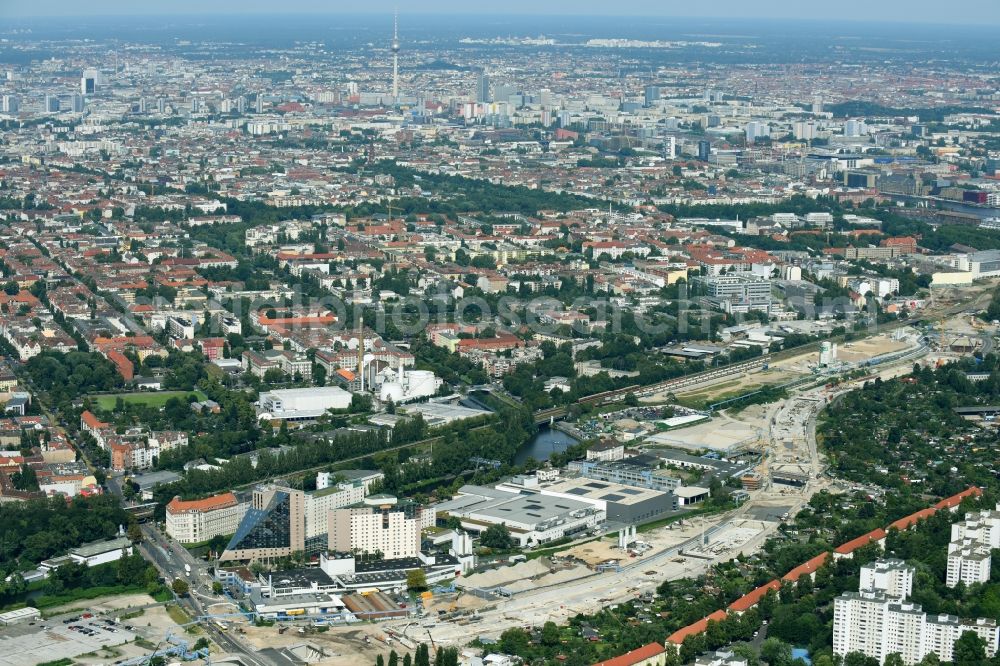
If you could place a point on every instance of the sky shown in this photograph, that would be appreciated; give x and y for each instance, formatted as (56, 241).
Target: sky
(972, 12)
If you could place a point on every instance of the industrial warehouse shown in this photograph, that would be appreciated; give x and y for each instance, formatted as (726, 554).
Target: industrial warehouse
(334, 589)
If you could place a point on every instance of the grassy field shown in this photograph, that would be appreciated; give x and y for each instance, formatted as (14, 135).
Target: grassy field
(44, 602)
(148, 398)
(178, 615)
(687, 515)
(546, 552)
(717, 393)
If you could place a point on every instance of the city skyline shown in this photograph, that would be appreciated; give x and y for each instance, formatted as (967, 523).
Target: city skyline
(976, 12)
(576, 335)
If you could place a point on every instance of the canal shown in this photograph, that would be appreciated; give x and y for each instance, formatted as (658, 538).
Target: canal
(545, 442)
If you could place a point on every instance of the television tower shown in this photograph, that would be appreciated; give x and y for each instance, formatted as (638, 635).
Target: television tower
(395, 57)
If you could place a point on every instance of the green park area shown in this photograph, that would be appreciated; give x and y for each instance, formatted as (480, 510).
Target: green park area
(148, 398)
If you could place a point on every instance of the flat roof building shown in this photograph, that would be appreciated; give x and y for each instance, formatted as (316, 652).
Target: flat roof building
(688, 495)
(639, 471)
(101, 552)
(620, 503)
(380, 526)
(302, 404)
(531, 518)
(18, 616)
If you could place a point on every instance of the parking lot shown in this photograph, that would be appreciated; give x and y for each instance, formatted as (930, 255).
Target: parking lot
(52, 640)
(770, 513)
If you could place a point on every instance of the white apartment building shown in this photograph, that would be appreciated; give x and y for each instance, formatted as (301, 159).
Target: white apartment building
(877, 622)
(200, 520)
(968, 562)
(858, 623)
(893, 578)
(380, 525)
(319, 504)
(182, 328)
(980, 526)
(972, 539)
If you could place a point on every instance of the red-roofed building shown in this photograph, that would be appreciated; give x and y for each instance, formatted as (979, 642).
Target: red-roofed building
(121, 456)
(905, 244)
(751, 599)
(94, 427)
(696, 628)
(912, 519)
(200, 520)
(951, 503)
(807, 568)
(212, 348)
(125, 367)
(142, 345)
(501, 342)
(847, 549)
(652, 654)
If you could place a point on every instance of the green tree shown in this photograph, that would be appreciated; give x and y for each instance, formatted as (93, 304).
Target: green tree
(969, 650)
(747, 653)
(416, 580)
(776, 652)
(497, 537)
(180, 587)
(393, 658)
(134, 532)
(823, 660)
(859, 659)
(550, 634)
(25, 479)
(514, 641)
(422, 656)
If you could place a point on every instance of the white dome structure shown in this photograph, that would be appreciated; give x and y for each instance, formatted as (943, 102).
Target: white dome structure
(406, 385)
(420, 384)
(391, 391)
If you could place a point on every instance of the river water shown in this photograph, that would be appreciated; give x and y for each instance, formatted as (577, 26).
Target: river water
(546, 442)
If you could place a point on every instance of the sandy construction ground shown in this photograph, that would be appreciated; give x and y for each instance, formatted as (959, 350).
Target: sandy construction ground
(344, 646)
(862, 350)
(103, 604)
(721, 433)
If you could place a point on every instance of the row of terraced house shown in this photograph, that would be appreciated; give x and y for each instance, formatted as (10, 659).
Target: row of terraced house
(655, 654)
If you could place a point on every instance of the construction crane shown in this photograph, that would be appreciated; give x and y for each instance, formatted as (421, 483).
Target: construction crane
(431, 637)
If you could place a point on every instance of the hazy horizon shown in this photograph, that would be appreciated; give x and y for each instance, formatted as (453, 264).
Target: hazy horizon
(973, 12)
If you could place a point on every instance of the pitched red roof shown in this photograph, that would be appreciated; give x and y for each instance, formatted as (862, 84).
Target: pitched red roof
(863, 540)
(955, 500)
(751, 599)
(92, 421)
(636, 656)
(909, 521)
(808, 567)
(696, 628)
(223, 501)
